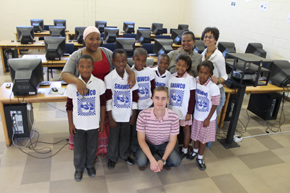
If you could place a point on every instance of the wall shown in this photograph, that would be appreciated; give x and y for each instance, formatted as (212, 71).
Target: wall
(243, 24)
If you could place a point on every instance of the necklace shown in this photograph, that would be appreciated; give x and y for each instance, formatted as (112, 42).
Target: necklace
(208, 54)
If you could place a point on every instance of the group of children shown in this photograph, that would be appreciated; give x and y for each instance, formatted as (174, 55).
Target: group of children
(123, 104)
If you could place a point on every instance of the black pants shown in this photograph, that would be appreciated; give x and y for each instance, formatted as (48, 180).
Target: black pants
(134, 140)
(85, 148)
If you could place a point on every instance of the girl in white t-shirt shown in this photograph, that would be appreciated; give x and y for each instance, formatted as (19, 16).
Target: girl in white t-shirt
(181, 88)
(207, 97)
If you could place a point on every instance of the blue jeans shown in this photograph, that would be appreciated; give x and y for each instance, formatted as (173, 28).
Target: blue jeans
(218, 110)
(173, 159)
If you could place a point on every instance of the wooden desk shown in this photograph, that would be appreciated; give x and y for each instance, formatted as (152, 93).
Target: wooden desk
(42, 95)
(249, 90)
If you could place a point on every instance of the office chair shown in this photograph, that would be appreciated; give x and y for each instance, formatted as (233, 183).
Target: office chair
(149, 47)
(162, 37)
(129, 36)
(110, 46)
(46, 27)
(149, 62)
(70, 48)
(164, 30)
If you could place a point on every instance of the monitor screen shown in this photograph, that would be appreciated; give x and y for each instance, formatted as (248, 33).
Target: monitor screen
(157, 28)
(128, 27)
(143, 36)
(60, 22)
(57, 31)
(177, 36)
(183, 27)
(79, 34)
(55, 47)
(101, 25)
(257, 49)
(162, 46)
(26, 75)
(37, 25)
(128, 44)
(226, 47)
(111, 34)
(25, 34)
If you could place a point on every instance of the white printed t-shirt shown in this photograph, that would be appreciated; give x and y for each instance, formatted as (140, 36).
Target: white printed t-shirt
(121, 103)
(161, 80)
(179, 93)
(86, 112)
(143, 79)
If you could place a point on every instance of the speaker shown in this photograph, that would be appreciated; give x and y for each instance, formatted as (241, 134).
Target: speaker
(266, 106)
(280, 73)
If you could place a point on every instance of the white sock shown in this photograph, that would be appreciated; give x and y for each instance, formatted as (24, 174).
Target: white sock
(184, 150)
(200, 156)
(195, 150)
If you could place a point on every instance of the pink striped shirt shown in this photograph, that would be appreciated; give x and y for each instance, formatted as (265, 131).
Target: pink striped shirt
(157, 132)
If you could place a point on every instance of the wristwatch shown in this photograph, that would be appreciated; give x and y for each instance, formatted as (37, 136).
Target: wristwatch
(164, 162)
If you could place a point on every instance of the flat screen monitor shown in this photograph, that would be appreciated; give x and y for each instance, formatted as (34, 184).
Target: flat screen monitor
(60, 22)
(79, 34)
(256, 49)
(55, 47)
(199, 46)
(157, 28)
(111, 34)
(57, 31)
(37, 24)
(101, 25)
(143, 36)
(177, 36)
(128, 44)
(26, 75)
(162, 46)
(226, 47)
(25, 34)
(183, 27)
(128, 27)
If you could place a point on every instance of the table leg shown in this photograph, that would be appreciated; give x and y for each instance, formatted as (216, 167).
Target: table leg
(2, 58)
(5, 131)
(224, 111)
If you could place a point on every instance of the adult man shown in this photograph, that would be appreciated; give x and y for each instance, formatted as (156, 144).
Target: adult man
(157, 130)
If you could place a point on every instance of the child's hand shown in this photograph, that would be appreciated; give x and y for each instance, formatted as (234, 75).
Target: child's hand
(188, 117)
(101, 128)
(133, 118)
(206, 122)
(72, 129)
(131, 79)
(112, 123)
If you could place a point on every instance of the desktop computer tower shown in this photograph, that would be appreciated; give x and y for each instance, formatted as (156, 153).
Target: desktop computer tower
(266, 106)
(19, 120)
(9, 53)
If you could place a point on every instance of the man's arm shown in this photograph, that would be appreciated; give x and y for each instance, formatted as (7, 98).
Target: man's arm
(169, 148)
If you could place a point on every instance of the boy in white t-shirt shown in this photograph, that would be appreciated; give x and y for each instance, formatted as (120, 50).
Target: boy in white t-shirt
(121, 106)
(86, 115)
(146, 84)
(161, 73)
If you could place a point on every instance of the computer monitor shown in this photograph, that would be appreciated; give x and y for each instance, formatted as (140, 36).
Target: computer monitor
(162, 46)
(128, 44)
(183, 27)
(280, 73)
(257, 49)
(111, 34)
(226, 47)
(177, 36)
(143, 36)
(60, 22)
(128, 27)
(199, 46)
(25, 34)
(157, 28)
(26, 75)
(79, 34)
(37, 25)
(57, 31)
(55, 47)
(101, 25)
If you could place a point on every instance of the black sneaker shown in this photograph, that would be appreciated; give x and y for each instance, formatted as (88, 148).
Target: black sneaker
(142, 168)
(78, 176)
(111, 164)
(201, 164)
(129, 161)
(182, 154)
(191, 156)
(91, 172)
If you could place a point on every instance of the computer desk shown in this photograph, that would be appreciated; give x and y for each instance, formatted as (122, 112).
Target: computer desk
(7, 97)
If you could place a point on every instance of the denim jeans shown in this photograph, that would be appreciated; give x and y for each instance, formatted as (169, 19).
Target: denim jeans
(173, 159)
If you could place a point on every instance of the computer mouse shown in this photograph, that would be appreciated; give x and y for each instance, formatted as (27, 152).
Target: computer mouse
(8, 85)
(54, 89)
(12, 40)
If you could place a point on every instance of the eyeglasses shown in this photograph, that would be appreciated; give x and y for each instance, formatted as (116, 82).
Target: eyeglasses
(209, 37)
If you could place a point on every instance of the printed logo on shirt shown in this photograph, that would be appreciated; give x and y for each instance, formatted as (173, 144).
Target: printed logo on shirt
(86, 107)
(143, 91)
(159, 84)
(176, 97)
(122, 99)
(202, 104)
